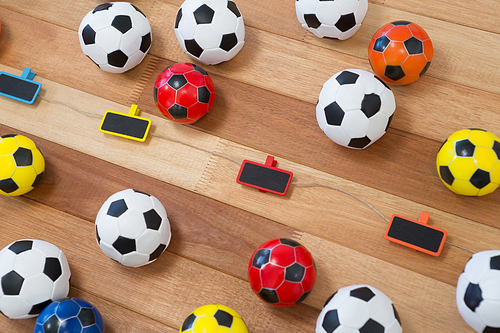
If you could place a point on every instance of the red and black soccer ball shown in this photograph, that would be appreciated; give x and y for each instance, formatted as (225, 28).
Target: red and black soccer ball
(282, 272)
(184, 93)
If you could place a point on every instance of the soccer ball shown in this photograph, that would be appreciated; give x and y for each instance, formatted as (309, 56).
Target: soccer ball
(214, 318)
(478, 291)
(116, 36)
(355, 108)
(132, 228)
(33, 274)
(358, 309)
(21, 165)
(468, 162)
(211, 31)
(72, 315)
(282, 272)
(400, 52)
(184, 93)
(339, 19)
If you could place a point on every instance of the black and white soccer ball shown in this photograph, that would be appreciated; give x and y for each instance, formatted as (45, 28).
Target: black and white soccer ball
(358, 309)
(132, 228)
(211, 31)
(116, 36)
(33, 273)
(339, 19)
(355, 108)
(478, 292)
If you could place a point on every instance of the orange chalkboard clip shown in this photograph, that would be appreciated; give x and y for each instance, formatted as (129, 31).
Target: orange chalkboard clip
(417, 235)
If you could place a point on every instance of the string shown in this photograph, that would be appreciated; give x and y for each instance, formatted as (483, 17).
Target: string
(298, 184)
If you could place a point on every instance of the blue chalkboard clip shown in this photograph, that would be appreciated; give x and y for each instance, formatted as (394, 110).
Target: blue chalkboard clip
(21, 88)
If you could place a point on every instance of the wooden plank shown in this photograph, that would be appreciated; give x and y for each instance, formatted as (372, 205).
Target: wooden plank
(116, 318)
(79, 184)
(174, 286)
(208, 165)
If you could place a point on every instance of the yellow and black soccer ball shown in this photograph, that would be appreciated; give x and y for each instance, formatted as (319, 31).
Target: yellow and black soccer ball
(21, 165)
(468, 162)
(214, 318)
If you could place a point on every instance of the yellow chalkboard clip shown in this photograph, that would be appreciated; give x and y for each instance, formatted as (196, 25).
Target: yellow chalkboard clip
(129, 126)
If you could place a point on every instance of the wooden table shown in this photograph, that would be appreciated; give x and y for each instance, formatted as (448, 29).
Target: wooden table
(265, 104)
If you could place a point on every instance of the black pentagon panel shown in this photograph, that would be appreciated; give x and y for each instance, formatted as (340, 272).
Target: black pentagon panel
(122, 23)
(117, 58)
(88, 35)
(37, 308)
(12, 283)
(97, 235)
(331, 321)
(117, 208)
(346, 22)
(153, 219)
(312, 21)
(334, 114)
(193, 48)
(188, 322)
(464, 148)
(178, 112)
(363, 293)
(124, 245)
(473, 296)
(496, 148)
(199, 69)
(347, 77)
(138, 10)
(155, 95)
(51, 325)
(156, 253)
(359, 142)
(489, 329)
(178, 18)
(371, 105)
(103, 6)
(204, 14)
(228, 42)
(446, 174)
(145, 43)
(21, 246)
(23, 157)
(414, 45)
(389, 122)
(269, 295)
(480, 178)
(8, 185)
(371, 326)
(37, 180)
(381, 43)
(232, 7)
(329, 298)
(396, 314)
(141, 192)
(400, 22)
(86, 317)
(289, 242)
(223, 318)
(203, 95)
(495, 263)
(8, 136)
(303, 297)
(52, 268)
(295, 273)
(261, 258)
(394, 72)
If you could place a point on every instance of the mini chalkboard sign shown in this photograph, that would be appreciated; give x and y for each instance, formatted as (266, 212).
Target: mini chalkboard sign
(129, 126)
(264, 177)
(21, 88)
(417, 235)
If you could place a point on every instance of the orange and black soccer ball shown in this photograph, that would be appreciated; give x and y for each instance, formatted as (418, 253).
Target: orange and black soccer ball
(400, 52)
